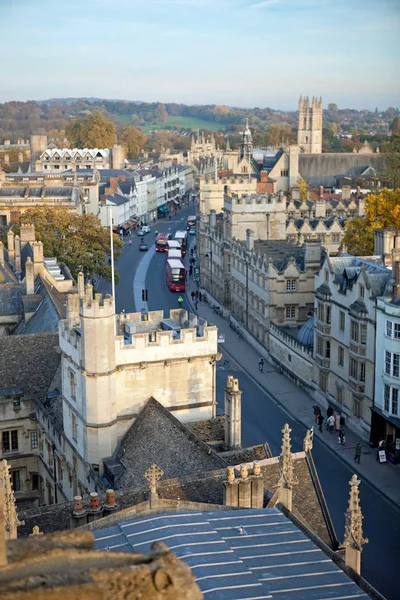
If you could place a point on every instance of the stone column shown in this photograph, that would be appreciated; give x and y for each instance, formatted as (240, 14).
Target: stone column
(17, 259)
(10, 246)
(353, 536)
(38, 259)
(1, 254)
(233, 413)
(231, 488)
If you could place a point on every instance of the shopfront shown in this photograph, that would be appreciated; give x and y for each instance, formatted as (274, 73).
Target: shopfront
(162, 211)
(386, 427)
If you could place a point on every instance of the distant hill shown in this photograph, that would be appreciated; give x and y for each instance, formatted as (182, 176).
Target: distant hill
(91, 100)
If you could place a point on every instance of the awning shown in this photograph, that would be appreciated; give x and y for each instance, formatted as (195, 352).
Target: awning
(126, 225)
(176, 202)
(163, 208)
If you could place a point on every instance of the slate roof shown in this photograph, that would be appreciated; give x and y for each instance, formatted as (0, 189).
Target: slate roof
(11, 298)
(251, 553)
(270, 161)
(279, 252)
(313, 223)
(347, 268)
(117, 199)
(158, 437)
(126, 186)
(105, 174)
(72, 152)
(29, 362)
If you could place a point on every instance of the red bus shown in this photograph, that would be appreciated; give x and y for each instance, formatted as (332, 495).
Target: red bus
(181, 237)
(161, 241)
(175, 275)
(191, 222)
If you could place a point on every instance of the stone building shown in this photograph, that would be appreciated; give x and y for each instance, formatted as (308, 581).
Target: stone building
(309, 131)
(346, 289)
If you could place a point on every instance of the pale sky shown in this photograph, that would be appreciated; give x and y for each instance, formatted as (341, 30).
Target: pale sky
(235, 52)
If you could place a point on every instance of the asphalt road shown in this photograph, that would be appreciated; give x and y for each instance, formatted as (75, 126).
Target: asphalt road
(263, 419)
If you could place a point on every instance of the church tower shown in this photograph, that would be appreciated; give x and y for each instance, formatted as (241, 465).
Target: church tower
(246, 146)
(309, 132)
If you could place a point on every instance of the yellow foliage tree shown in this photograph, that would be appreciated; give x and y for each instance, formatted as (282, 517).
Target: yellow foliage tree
(301, 184)
(382, 211)
(133, 140)
(94, 131)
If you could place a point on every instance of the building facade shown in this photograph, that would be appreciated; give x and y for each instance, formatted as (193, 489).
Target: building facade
(309, 132)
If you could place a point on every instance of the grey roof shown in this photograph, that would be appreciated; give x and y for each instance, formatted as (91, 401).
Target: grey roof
(105, 174)
(44, 320)
(29, 362)
(117, 199)
(64, 192)
(14, 192)
(322, 169)
(305, 335)
(126, 186)
(269, 161)
(347, 268)
(11, 298)
(328, 222)
(250, 553)
(279, 252)
(157, 436)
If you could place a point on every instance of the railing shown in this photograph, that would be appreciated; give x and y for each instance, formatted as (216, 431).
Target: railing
(322, 501)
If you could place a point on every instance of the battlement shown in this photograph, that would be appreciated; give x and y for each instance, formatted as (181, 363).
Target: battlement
(252, 199)
(98, 306)
(225, 180)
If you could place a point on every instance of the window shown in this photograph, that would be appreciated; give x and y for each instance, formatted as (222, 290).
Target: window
(74, 427)
(290, 285)
(392, 364)
(323, 381)
(34, 439)
(10, 440)
(357, 407)
(395, 371)
(353, 368)
(328, 350)
(326, 275)
(361, 291)
(335, 238)
(321, 237)
(395, 401)
(342, 320)
(290, 312)
(320, 312)
(388, 362)
(363, 334)
(396, 333)
(393, 330)
(339, 394)
(16, 480)
(35, 481)
(320, 346)
(386, 398)
(354, 331)
(362, 371)
(72, 384)
(340, 356)
(328, 315)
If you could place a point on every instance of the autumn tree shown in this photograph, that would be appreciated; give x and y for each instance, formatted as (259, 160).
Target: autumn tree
(94, 131)
(79, 241)
(392, 152)
(133, 140)
(381, 211)
(162, 114)
(303, 187)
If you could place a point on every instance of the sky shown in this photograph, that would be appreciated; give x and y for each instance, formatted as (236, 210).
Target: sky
(236, 52)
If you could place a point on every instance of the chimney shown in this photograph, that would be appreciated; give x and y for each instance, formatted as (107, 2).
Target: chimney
(244, 488)
(20, 157)
(312, 255)
(81, 284)
(264, 176)
(213, 219)
(249, 240)
(231, 488)
(233, 413)
(257, 487)
(10, 247)
(73, 310)
(320, 208)
(321, 191)
(346, 192)
(1, 254)
(17, 259)
(29, 276)
(27, 234)
(361, 207)
(38, 258)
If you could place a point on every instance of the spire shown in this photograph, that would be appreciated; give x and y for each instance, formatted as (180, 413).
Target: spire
(308, 441)
(353, 534)
(286, 460)
(228, 146)
(11, 521)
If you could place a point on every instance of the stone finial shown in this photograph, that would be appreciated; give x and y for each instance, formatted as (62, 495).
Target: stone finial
(81, 284)
(11, 520)
(153, 475)
(36, 531)
(3, 543)
(244, 472)
(286, 459)
(230, 472)
(353, 535)
(256, 468)
(308, 441)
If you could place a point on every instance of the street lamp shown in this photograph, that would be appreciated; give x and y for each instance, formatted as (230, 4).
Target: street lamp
(247, 294)
(209, 256)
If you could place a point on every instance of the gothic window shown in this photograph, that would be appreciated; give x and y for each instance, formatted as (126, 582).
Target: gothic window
(323, 381)
(10, 440)
(342, 320)
(328, 350)
(354, 331)
(291, 285)
(74, 427)
(34, 439)
(340, 356)
(386, 398)
(339, 394)
(335, 238)
(353, 368)
(290, 312)
(72, 384)
(357, 407)
(16, 480)
(363, 334)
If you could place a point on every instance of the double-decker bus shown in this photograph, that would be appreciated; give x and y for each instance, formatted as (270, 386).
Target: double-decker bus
(191, 222)
(174, 253)
(181, 237)
(175, 275)
(173, 244)
(161, 241)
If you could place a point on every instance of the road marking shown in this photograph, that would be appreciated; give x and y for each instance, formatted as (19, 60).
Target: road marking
(139, 280)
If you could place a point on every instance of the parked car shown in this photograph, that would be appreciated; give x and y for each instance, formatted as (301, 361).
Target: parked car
(192, 231)
(146, 228)
(143, 247)
(141, 232)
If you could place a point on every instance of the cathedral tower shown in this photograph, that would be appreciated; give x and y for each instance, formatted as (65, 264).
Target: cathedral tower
(246, 146)
(309, 132)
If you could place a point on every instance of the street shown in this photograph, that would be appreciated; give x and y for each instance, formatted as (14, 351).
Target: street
(263, 418)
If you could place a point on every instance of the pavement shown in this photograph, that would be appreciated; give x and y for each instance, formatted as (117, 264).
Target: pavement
(299, 405)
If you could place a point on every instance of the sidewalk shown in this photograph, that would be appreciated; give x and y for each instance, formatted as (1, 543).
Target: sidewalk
(385, 477)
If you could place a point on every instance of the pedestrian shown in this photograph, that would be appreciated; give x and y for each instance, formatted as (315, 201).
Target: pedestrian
(341, 438)
(200, 296)
(190, 270)
(317, 412)
(329, 412)
(195, 247)
(261, 364)
(191, 252)
(331, 423)
(197, 294)
(180, 301)
(320, 421)
(196, 302)
(357, 455)
(169, 217)
(337, 422)
(156, 232)
(192, 294)
(381, 447)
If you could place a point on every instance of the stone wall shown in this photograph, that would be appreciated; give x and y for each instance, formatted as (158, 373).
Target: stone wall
(295, 360)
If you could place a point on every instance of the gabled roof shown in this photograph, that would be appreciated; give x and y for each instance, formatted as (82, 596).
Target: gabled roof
(158, 437)
(74, 152)
(11, 298)
(116, 199)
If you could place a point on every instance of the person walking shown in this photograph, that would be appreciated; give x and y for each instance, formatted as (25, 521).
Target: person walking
(200, 296)
(320, 421)
(317, 412)
(191, 252)
(261, 364)
(180, 301)
(196, 302)
(190, 270)
(337, 422)
(357, 455)
(197, 294)
(331, 423)
(341, 438)
(192, 294)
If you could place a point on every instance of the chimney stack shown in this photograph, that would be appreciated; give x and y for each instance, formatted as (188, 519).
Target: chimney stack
(17, 259)
(38, 260)
(29, 276)
(1, 254)
(10, 247)
(312, 256)
(249, 240)
(233, 413)
(213, 219)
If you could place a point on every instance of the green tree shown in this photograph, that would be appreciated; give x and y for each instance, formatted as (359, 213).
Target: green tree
(392, 151)
(358, 237)
(162, 114)
(133, 140)
(79, 241)
(94, 131)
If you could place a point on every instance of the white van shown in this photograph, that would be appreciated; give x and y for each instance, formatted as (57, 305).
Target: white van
(174, 253)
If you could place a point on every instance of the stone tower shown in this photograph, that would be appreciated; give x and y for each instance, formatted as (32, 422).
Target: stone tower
(309, 132)
(38, 143)
(246, 146)
(117, 157)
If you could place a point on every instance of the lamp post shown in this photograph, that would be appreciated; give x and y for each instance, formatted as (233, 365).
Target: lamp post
(247, 295)
(110, 221)
(209, 256)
